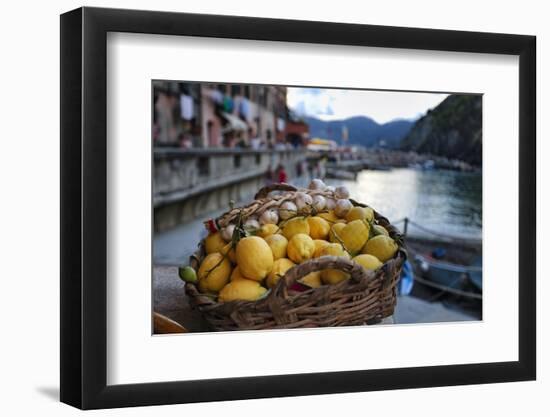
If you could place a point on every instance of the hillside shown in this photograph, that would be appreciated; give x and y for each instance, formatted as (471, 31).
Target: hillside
(361, 131)
(452, 129)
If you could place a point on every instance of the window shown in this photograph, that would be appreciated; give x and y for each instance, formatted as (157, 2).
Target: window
(203, 165)
(237, 161)
(235, 90)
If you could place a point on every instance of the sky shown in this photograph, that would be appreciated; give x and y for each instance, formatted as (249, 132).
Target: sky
(382, 106)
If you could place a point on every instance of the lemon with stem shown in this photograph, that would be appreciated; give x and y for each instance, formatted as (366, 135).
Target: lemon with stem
(214, 273)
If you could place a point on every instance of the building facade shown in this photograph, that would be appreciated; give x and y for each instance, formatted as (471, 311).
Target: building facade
(208, 115)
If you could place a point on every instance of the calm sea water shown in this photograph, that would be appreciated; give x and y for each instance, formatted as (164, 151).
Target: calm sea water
(446, 202)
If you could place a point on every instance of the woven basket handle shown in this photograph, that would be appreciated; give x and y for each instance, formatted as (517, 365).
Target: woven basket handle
(281, 186)
(356, 271)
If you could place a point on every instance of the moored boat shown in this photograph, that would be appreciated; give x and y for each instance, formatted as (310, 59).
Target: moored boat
(446, 263)
(463, 280)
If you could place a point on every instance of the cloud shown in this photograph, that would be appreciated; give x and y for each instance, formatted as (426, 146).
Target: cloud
(329, 111)
(382, 106)
(311, 101)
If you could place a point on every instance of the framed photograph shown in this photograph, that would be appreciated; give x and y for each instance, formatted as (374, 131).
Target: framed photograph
(257, 208)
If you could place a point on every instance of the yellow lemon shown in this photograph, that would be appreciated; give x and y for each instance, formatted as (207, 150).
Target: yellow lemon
(335, 230)
(254, 257)
(236, 274)
(334, 249)
(214, 243)
(229, 251)
(381, 246)
(360, 213)
(300, 248)
(368, 262)
(295, 226)
(268, 230)
(278, 245)
(319, 246)
(214, 272)
(334, 276)
(354, 236)
(242, 289)
(313, 279)
(280, 266)
(329, 217)
(376, 230)
(318, 227)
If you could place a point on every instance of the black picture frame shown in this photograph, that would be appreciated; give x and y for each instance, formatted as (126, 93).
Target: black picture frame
(84, 207)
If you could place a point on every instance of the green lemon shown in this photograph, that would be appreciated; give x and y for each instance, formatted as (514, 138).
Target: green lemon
(187, 274)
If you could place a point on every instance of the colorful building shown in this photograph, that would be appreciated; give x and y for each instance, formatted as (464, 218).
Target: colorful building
(207, 115)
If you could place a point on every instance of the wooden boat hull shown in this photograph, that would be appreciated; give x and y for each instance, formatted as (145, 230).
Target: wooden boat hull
(450, 276)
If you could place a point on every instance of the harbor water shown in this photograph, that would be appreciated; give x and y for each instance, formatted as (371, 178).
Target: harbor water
(446, 202)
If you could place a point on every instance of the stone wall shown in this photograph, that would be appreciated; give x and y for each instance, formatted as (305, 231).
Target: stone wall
(188, 184)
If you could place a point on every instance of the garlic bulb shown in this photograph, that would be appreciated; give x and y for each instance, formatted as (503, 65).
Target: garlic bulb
(341, 192)
(317, 184)
(303, 201)
(330, 188)
(287, 210)
(342, 207)
(330, 203)
(251, 224)
(269, 217)
(227, 232)
(319, 202)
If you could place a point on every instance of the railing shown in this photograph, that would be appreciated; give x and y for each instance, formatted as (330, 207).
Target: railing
(182, 173)
(408, 222)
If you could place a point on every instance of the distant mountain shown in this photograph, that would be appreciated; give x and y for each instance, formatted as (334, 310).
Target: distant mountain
(361, 131)
(452, 129)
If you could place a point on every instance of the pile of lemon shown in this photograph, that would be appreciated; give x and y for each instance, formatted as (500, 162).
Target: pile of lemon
(244, 270)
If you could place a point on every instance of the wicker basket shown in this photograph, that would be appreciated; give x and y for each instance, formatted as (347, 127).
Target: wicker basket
(365, 298)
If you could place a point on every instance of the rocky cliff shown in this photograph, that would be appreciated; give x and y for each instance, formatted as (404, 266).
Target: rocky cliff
(452, 129)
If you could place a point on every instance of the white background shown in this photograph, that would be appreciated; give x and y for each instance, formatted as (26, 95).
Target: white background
(29, 215)
(133, 60)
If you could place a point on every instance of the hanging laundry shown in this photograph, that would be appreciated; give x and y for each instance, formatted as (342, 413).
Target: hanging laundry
(244, 108)
(216, 96)
(228, 104)
(186, 106)
(280, 124)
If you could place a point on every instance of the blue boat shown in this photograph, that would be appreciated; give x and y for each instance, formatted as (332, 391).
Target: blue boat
(448, 263)
(459, 279)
